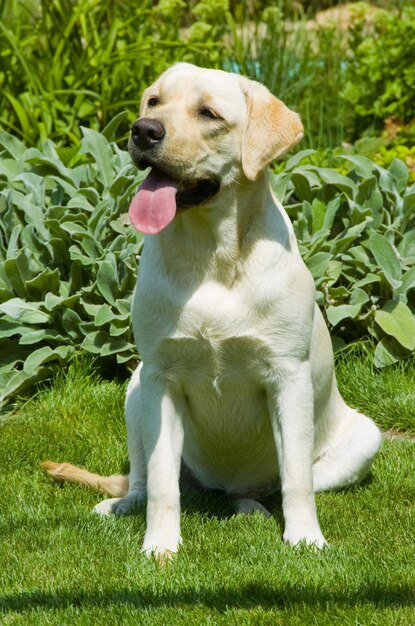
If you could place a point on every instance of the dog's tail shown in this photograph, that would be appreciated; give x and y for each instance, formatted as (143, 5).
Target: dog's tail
(114, 486)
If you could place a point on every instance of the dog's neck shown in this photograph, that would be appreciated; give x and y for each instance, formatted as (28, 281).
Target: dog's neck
(215, 241)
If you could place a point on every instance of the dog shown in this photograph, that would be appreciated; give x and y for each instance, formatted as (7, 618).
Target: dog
(237, 377)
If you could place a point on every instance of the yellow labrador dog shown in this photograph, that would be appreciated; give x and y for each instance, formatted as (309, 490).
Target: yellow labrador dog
(237, 373)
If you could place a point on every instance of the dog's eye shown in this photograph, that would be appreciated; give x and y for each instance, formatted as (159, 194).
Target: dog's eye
(153, 101)
(208, 113)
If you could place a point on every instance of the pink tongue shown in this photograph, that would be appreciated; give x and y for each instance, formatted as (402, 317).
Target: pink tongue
(154, 205)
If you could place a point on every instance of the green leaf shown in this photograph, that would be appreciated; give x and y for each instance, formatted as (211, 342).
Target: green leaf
(318, 211)
(362, 165)
(107, 279)
(37, 358)
(358, 296)
(30, 336)
(318, 263)
(14, 146)
(304, 181)
(94, 341)
(96, 144)
(104, 315)
(400, 173)
(111, 128)
(297, 158)
(408, 281)
(336, 314)
(386, 258)
(27, 312)
(387, 352)
(397, 320)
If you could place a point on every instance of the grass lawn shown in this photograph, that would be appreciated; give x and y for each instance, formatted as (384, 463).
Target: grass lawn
(59, 564)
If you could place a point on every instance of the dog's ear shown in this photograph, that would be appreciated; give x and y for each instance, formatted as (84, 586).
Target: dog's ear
(272, 128)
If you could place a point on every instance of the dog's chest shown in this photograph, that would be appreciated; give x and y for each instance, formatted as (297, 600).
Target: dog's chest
(217, 340)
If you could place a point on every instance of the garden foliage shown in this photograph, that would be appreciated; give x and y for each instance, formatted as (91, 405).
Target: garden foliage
(380, 77)
(68, 256)
(72, 63)
(68, 71)
(357, 236)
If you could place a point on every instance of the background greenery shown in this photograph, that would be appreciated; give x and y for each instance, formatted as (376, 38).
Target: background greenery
(71, 74)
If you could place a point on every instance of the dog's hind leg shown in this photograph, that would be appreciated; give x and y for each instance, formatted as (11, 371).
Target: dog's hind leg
(348, 459)
(248, 506)
(137, 478)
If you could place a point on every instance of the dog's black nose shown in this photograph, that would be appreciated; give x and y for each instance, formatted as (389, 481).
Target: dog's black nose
(146, 133)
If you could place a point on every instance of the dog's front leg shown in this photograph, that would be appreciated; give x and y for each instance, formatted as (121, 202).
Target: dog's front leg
(162, 411)
(291, 406)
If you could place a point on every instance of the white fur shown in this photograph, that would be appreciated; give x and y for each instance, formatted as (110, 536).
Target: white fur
(237, 370)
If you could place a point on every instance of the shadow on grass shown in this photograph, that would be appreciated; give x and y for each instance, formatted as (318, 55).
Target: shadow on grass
(245, 597)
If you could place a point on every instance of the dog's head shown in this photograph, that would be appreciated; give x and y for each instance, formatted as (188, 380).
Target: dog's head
(200, 130)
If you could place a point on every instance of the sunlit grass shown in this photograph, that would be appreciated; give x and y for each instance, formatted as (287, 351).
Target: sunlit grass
(60, 564)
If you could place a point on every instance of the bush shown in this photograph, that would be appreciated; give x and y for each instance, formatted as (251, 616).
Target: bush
(302, 66)
(69, 63)
(68, 257)
(357, 235)
(380, 80)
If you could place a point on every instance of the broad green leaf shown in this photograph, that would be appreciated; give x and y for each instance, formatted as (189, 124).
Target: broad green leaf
(29, 336)
(10, 328)
(367, 280)
(336, 314)
(96, 144)
(362, 165)
(107, 280)
(338, 344)
(358, 296)
(408, 281)
(94, 341)
(71, 323)
(17, 271)
(115, 346)
(9, 168)
(53, 302)
(338, 180)
(296, 159)
(13, 383)
(397, 320)
(27, 312)
(37, 358)
(400, 173)
(14, 146)
(34, 185)
(46, 281)
(318, 210)
(387, 352)
(386, 257)
(318, 263)
(124, 306)
(104, 315)
(120, 326)
(304, 182)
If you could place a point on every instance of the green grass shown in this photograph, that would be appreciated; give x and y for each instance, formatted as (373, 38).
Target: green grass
(59, 564)
(387, 395)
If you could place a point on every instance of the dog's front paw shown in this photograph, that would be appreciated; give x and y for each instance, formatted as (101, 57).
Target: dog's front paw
(296, 537)
(162, 545)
